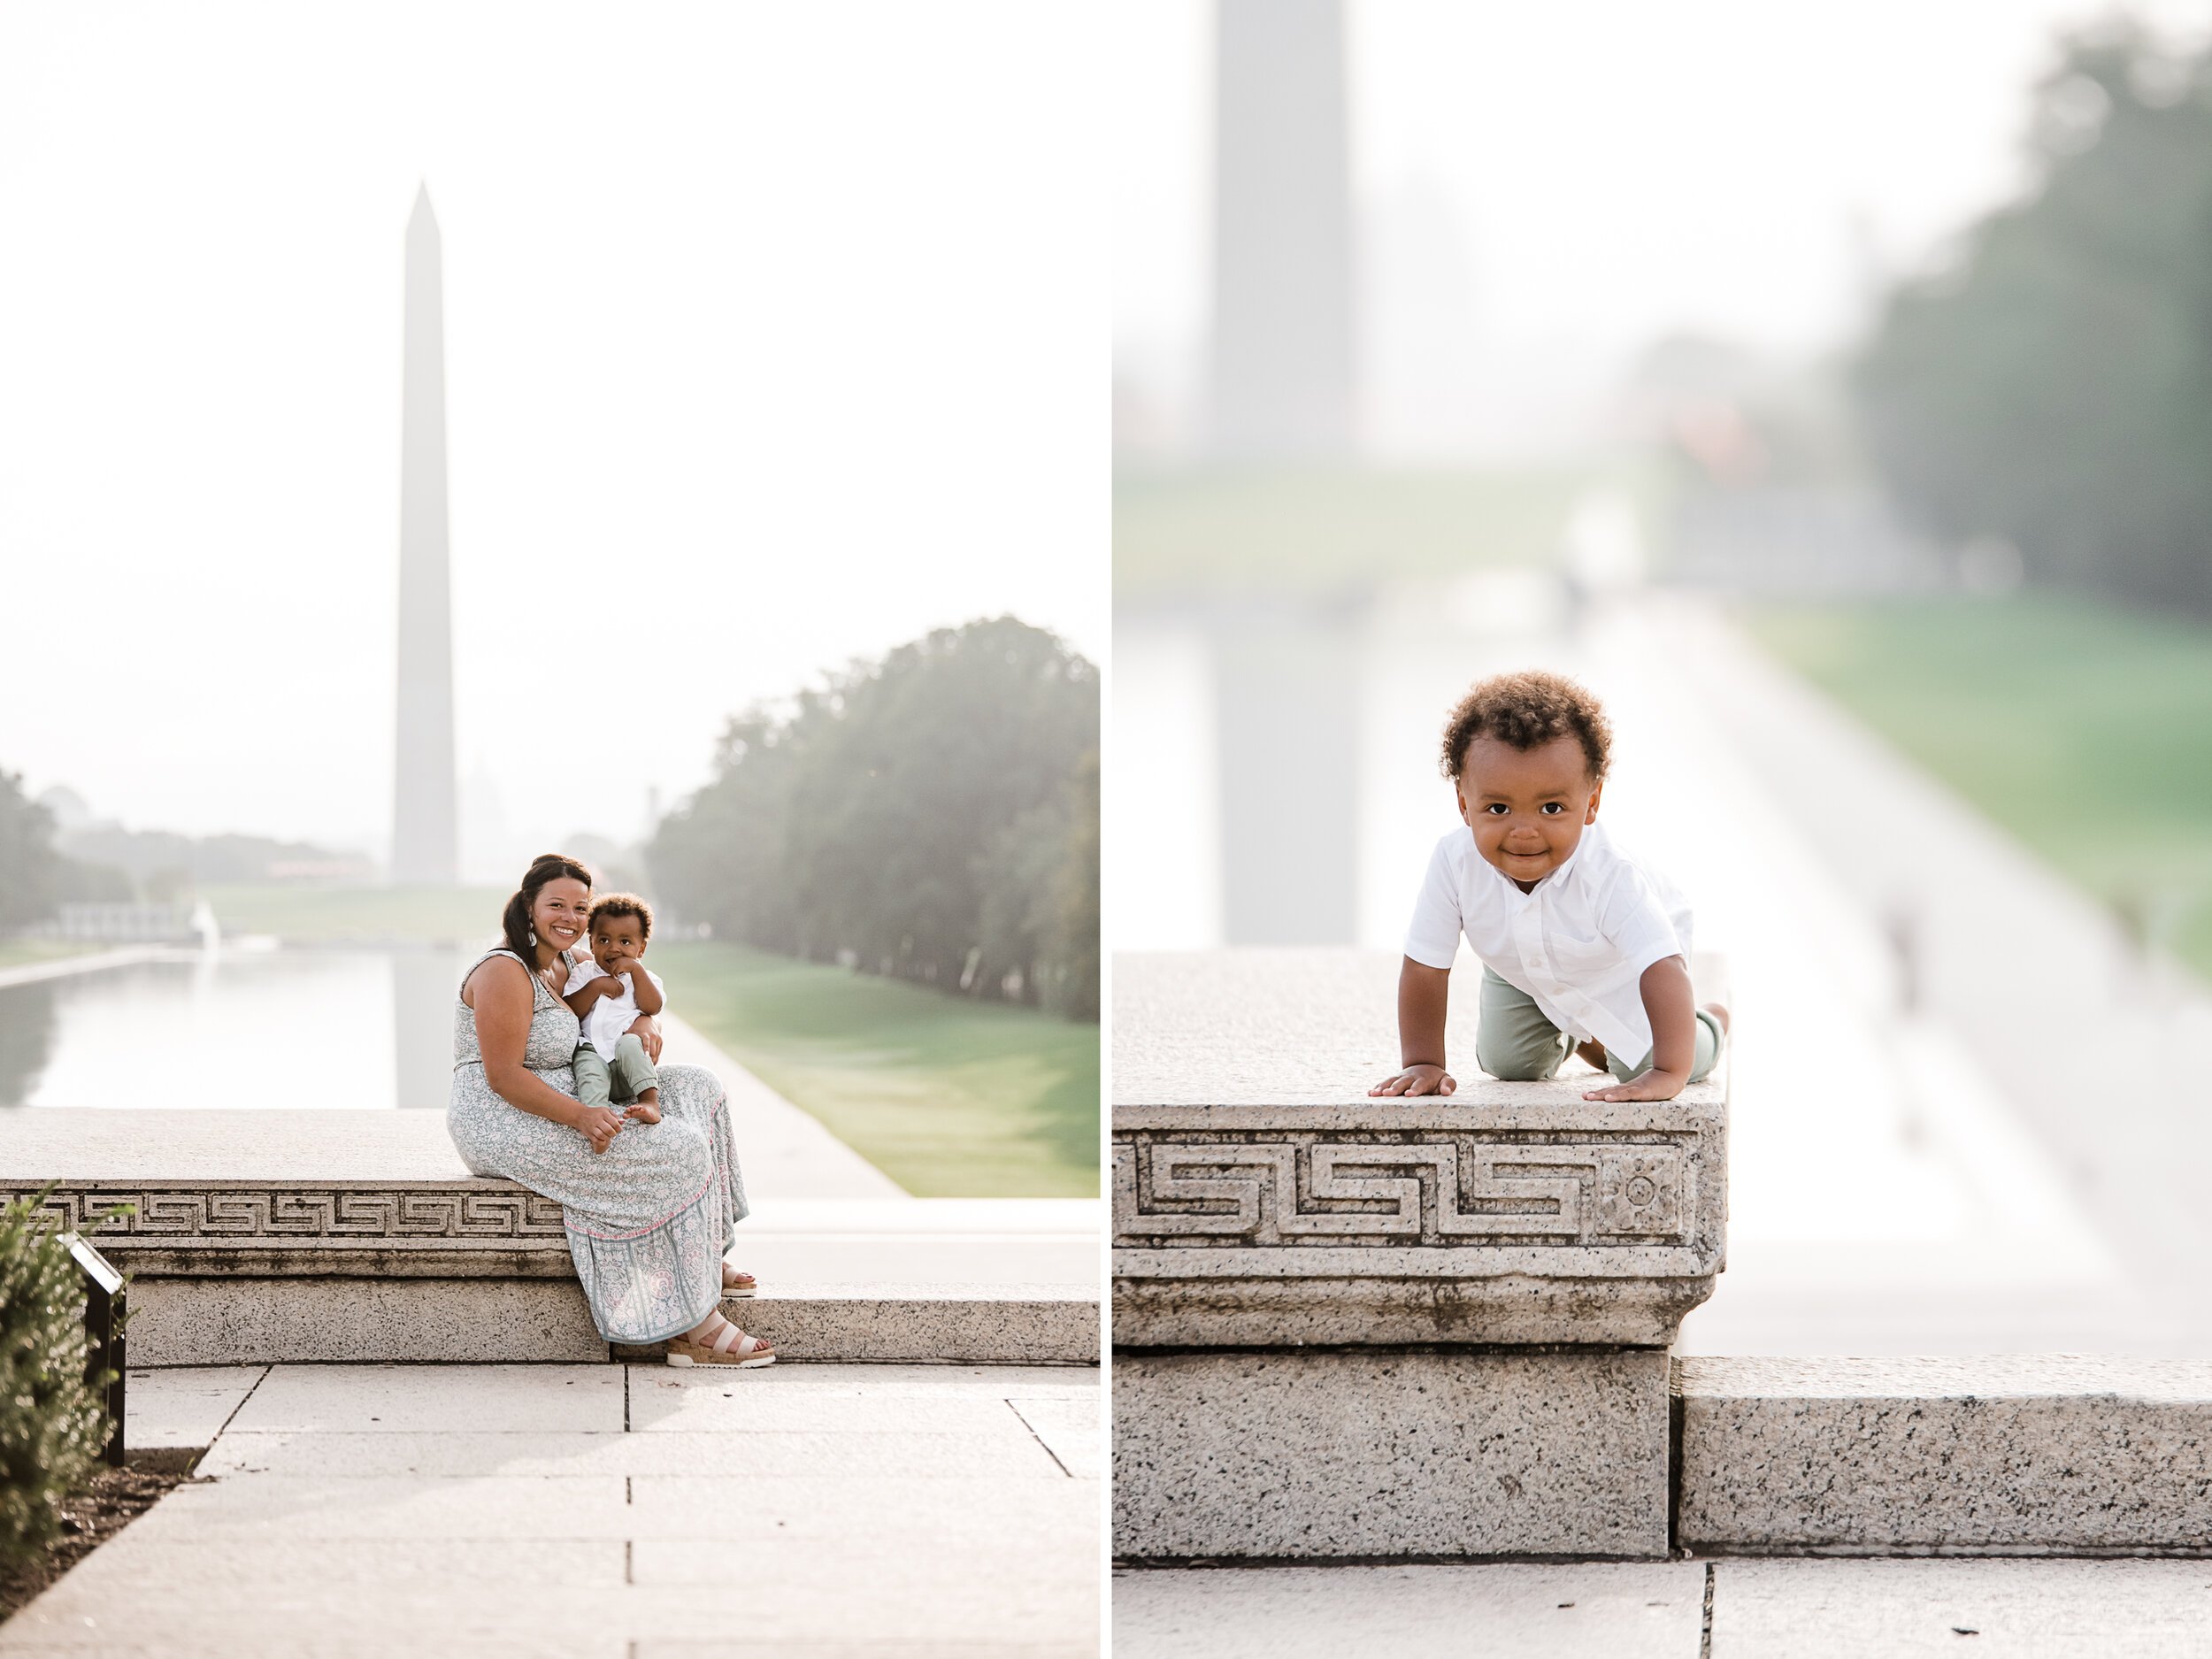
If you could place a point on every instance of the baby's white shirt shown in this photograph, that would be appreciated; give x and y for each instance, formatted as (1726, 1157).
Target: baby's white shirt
(611, 1016)
(1579, 943)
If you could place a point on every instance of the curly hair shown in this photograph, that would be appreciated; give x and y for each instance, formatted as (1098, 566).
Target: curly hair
(624, 904)
(1528, 710)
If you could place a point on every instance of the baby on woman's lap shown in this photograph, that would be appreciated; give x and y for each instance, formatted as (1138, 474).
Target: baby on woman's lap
(607, 993)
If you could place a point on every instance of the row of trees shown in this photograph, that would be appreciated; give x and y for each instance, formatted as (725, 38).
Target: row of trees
(2052, 384)
(35, 877)
(931, 815)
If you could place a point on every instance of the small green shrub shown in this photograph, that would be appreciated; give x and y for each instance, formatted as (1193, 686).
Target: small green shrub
(53, 1425)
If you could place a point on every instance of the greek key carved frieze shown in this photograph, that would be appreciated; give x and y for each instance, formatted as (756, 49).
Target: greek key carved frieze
(167, 1213)
(1449, 1190)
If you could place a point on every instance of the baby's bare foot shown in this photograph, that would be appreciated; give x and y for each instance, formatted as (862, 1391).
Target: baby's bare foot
(1719, 1011)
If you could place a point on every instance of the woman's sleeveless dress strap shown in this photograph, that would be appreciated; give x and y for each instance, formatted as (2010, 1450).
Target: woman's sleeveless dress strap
(502, 951)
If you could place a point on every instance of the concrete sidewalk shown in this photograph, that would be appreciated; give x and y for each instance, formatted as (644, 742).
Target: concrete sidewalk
(1688, 1609)
(904, 1512)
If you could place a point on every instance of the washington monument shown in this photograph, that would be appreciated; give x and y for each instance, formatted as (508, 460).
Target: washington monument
(425, 836)
(1282, 361)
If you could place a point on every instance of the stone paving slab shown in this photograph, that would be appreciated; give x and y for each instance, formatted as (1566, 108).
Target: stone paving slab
(2019, 1454)
(439, 1622)
(1069, 1428)
(889, 1542)
(1008, 1450)
(1507, 1611)
(188, 1406)
(893, 1514)
(879, 1382)
(369, 1564)
(775, 1594)
(667, 1398)
(254, 1510)
(739, 1407)
(2051, 1608)
(1058, 1570)
(861, 1515)
(96, 1640)
(361, 1399)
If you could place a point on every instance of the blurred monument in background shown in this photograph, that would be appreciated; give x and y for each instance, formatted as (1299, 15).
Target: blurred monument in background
(424, 834)
(1282, 374)
(1282, 360)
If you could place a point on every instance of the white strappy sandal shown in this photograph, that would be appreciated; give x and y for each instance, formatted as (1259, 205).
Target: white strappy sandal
(729, 1346)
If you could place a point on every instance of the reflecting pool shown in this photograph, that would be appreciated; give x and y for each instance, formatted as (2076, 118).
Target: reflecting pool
(276, 1028)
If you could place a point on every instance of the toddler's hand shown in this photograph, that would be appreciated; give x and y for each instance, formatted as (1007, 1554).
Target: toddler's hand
(1417, 1080)
(1653, 1085)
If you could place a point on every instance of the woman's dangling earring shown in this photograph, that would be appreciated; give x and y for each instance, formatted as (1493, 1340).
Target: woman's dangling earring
(533, 935)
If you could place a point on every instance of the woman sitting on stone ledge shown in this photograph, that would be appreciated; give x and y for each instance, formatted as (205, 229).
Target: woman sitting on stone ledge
(650, 1208)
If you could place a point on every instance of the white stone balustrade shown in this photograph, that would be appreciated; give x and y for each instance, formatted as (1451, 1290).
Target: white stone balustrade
(1348, 1327)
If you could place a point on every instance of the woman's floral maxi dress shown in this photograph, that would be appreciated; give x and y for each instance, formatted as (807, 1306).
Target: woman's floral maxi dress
(648, 1218)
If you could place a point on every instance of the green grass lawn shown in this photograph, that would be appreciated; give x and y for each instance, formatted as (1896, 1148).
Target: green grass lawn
(950, 1098)
(358, 915)
(1210, 532)
(2079, 727)
(21, 953)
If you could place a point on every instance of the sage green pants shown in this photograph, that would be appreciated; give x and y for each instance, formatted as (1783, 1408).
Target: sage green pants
(597, 1083)
(1515, 1042)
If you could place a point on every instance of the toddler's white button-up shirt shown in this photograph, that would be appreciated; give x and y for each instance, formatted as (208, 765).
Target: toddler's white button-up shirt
(1579, 943)
(611, 1016)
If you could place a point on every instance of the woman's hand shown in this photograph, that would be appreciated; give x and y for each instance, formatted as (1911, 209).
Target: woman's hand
(647, 1030)
(598, 1124)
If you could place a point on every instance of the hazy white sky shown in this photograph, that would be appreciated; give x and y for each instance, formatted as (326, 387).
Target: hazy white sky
(775, 335)
(1614, 169)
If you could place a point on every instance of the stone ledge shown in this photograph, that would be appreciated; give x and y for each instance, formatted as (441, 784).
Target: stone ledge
(2052, 1454)
(1261, 1198)
(1040, 1325)
(1380, 1453)
(1542, 1217)
(201, 1321)
(215, 1227)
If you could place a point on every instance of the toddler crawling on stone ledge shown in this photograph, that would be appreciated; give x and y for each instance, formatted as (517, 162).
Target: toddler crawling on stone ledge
(1584, 949)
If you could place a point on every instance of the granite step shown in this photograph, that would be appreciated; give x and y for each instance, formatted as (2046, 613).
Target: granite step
(491, 1318)
(2004, 1454)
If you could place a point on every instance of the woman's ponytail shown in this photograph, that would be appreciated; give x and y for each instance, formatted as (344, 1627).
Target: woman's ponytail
(514, 921)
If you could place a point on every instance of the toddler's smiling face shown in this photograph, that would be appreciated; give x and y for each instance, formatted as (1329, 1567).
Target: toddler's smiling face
(1528, 807)
(614, 937)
